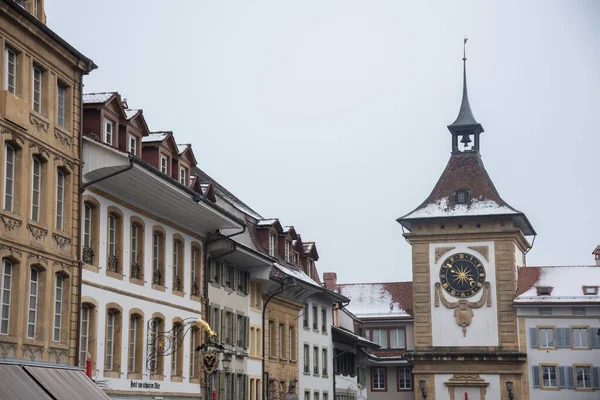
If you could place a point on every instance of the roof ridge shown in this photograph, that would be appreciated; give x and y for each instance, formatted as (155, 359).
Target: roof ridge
(373, 283)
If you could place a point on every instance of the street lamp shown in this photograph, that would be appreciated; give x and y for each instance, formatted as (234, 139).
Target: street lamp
(509, 387)
(226, 362)
(422, 387)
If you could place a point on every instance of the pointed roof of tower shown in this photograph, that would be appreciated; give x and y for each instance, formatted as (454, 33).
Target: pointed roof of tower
(465, 119)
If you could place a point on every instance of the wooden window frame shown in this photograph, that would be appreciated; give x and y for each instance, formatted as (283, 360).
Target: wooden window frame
(306, 360)
(39, 295)
(410, 380)
(9, 177)
(106, 122)
(588, 332)
(550, 365)
(36, 212)
(11, 283)
(591, 380)
(177, 355)
(164, 168)
(315, 315)
(135, 368)
(159, 239)
(385, 385)
(37, 88)
(132, 140)
(62, 96)
(178, 269)
(61, 198)
(58, 307)
(114, 370)
(8, 52)
(553, 327)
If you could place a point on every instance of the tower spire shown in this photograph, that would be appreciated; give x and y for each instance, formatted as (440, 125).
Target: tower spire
(465, 124)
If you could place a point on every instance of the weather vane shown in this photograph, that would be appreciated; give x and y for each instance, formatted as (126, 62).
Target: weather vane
(465, 48)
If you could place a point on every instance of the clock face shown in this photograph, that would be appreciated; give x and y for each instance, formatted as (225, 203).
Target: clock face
(462, 275)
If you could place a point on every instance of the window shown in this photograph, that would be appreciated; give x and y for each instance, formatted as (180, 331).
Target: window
(158, 272)
(36, 187)
(271, 338)
(5, 296)
(316, 360)
(9, 177)
(216, 269)
(404, 378)
(229, 271)
(325, 362)
(580, 338)
(287, 250)
(177, 265)
(549, 376)
(229, 328)
(183, 175)
(137, 244)
(133, 144)
(216, 321)
(113, 228)
(305, 316)
(241, 331)
(316, 395)
(37, 89)
(546, 337)
(295, 257)
(34, 280)
(545, 311)
(35, 8)
(292, 343)
(323, 320)
(578, 311)
(194, 356)
(177, 355)
(315, 318)
(108, 131)
(110, 340)
(309, 268)
(590, 290)
(58, 294)
(281, 340)
(397, 336)
(195, 274)
(325, 396)
(544, 290)
(156, 359)
(61, 104)
(380, 337)
(10, 70)
(89, 222)
(84, 338)
(584, 377)
(271, 244)
(306, 359)
(307, 395)
(164, 164)
(378, 379)
(60, 199)
(462, 196)
(242, 282)
(135, 353)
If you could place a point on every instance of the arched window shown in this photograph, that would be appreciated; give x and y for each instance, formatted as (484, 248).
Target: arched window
(112, 339)
(137, 250)
(178, 265)
(155, 355)
(90, 232)
(177, 355)
(6, 279)
(158, 259)
(136, 343)
(195, 271)
(194, 355)
(87, 332)
(114, 244)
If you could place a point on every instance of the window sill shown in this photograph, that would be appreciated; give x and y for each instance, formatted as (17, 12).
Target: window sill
(405, 390)
(215, 284)
(549, 388)
(156, 377)
(112, 374)
(9, 339)
(307, 373)
(584, 389)
(58, 345)
(227, 289)
(317, 375)
(306, 328)
(38, 231)
(195, 298)
(195, 380)
(139, 282)
(177, 293)
(114, 275)
(176, 378)
(160, 288)
(11, 221)
(240, 293)
(134, 375)
(40, 121)
(63, 131)
(90, 267)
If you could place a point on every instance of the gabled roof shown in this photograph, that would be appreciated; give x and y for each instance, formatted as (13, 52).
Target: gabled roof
(162, 136)
(289, 230)
(298, 245)
(567, 284)
(596, 250)
(267, 223)
(310, 249)
(378, 300)
(465, 171)
(185, 150)
(98, 98)
(138, 115)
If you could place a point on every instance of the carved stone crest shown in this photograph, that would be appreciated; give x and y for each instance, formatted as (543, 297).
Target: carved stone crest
(10, 223)
(61, 241)
(17, 137)
(38, 258)
(43, 151)
(65, 160)
(8, 349)
(483, 250)
(33, 352)
(463, 309)
(12, 250)
(36, 232)
(58, 355)
(440, 251)
(64, 139)
(39, 123)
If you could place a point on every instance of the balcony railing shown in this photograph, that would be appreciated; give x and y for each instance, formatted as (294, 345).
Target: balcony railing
(136, 270)
(176, 283)
(195, 289)
(88, 255)
(113, 263)
(157, 277)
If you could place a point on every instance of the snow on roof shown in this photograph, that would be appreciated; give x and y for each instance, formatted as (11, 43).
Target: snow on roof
(131, 113)
(155, 137)
(93, 98)
(308, 246)
(567, 284)
(375, 300)
(266, 222)
(442, 208)
(296, 274)
(182, 147)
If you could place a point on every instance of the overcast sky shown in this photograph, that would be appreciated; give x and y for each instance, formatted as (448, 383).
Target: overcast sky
(331, 115)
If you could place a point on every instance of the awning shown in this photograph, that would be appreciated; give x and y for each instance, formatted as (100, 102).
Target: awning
(21, 382)
(343, 336)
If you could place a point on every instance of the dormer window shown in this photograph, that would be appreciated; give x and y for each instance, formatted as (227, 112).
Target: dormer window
(462, 196)
(544, 290)
(590, 290)
(271, 244)
(108, 131)
(295, 258)
(309, 267)
(164, 164)
(287, 251)
(133, 145)
(183, 175)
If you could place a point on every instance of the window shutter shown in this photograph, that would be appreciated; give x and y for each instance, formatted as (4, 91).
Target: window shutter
(223, 273)
(247, 285)
(221, 385)
(536, 376)
(560, 337)
(234, 279)
(533, 338)
(247, 338)
(596, 377)
(246, 386)
(567, 337)
(595, 339)
(223, 331)
(234, 330)
(211, 271)
(562, 377)
(570, 378)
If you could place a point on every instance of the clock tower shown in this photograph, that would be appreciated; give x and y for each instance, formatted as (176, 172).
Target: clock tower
(467, 247)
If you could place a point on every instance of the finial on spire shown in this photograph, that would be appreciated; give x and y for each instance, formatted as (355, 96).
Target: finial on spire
(465, 48)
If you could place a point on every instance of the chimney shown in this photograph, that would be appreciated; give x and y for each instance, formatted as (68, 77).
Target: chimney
(596, 254)
(330, 279)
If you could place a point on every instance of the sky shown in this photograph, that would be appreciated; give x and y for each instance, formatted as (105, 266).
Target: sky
(332, 115)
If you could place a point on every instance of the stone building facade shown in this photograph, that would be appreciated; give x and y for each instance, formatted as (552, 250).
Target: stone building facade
(40, 115)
